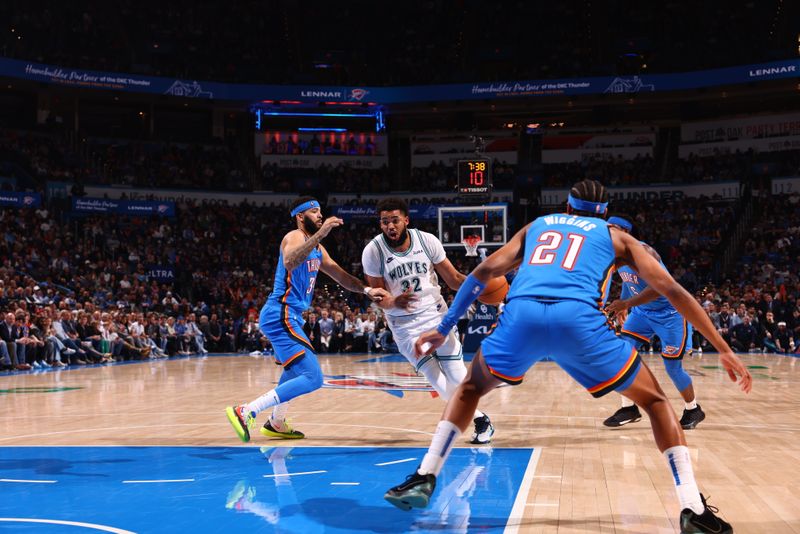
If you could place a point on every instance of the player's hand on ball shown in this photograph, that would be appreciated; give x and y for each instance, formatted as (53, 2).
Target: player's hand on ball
(428, 342)
(405, 300)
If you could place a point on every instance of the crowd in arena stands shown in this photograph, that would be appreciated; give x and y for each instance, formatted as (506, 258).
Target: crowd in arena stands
(330, 145)
(151, 164)
(36, 157)
(607, 170)
(340, 178)
(344, 44)
(83, 289)
(736, 166)
(217, 167)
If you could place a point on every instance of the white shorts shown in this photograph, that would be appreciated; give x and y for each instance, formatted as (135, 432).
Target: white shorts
(406, 330)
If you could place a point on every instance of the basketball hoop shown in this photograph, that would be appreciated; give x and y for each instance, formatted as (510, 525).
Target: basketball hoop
(471, 243)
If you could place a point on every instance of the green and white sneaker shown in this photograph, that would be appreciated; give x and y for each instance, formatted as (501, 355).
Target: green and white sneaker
(415, 492)
(240, 421)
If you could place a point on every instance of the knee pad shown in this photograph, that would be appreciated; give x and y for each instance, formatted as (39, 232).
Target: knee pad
(677, 374)
(310, 369)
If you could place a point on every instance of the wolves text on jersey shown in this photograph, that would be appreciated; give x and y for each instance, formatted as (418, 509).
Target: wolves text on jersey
(407, 269)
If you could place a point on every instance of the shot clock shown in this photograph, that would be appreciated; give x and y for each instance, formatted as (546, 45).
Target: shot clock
(475, 177)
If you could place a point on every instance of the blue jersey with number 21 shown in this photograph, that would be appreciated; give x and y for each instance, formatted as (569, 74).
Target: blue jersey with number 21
(566, 257)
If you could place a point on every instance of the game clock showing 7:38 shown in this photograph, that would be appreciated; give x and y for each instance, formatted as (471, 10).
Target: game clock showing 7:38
(474, 177)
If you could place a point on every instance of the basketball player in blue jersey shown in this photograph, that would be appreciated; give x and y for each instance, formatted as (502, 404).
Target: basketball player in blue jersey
(555, 309)
(301, 258)
(651, 315)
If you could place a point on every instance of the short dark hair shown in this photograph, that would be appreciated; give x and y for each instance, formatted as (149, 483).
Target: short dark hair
(591, 191)
(391, 204)
(301, 200)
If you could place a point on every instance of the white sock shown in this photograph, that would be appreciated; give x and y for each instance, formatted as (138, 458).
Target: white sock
(691, 405)
(680, 463)
(626, 401)
(267, 400)
(279, 415)
(441, 445)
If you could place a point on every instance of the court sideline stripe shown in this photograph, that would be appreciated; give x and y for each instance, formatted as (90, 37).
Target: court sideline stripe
(294, 474)
(28, 481)
(396, 462)
(517, 511)
(157, 481)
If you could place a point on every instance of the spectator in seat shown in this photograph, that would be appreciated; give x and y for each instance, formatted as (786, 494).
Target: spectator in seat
(784, 341)
(770, 327)
(326, 328)
(311, 329)
(744, 337)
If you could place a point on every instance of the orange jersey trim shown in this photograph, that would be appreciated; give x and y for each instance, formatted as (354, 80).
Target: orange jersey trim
(620, 374)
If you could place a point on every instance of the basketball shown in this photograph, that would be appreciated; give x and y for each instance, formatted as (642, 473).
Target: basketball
(494, 292)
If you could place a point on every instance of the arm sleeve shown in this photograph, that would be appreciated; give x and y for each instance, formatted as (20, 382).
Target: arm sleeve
(372, 260)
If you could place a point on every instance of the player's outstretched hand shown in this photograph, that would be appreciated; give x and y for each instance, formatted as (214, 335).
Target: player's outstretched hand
(329, 224)
(377, 294)
(405, 299)
(736, 370)
(428, 342)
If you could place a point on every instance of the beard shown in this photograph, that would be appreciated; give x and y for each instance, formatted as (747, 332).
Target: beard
(394, 243)
(309, 225)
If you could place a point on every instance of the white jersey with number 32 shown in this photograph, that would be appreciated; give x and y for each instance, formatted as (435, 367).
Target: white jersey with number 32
(412, 269)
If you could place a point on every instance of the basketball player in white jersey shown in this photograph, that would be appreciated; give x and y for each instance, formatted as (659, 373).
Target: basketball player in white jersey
(405, 262)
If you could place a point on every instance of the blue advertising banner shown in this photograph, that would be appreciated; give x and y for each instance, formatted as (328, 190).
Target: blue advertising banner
(415, 212)
(123, 207)
(479, 326)
(20, 200)
(69, 77)
(161, 273)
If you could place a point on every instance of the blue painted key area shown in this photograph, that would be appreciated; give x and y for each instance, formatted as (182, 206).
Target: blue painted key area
(247, 489)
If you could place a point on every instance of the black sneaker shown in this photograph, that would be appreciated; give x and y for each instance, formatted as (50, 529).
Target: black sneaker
(691, 523)
(484, 430)
(623, 416)
(415, 492)
(691, 418)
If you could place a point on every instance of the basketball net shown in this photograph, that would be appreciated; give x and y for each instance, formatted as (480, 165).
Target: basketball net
(471, 243)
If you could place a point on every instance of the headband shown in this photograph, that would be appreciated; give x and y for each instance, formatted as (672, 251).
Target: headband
(305, 206)
(622, 223)
(585, 205)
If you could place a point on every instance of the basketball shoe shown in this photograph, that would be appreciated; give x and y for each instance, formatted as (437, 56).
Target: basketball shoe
(240, 421)
(691, 418)
(484, 430)
(692, 523)
(623, 416)
(415, 492)
(284, 431)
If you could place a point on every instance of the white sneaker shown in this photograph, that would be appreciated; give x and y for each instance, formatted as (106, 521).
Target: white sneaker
(256, 353)
(69, 352)
(36, 365)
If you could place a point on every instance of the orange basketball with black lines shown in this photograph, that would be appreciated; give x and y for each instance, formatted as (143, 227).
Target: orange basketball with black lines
(494, 292)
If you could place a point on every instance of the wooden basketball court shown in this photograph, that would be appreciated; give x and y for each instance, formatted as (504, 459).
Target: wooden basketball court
(582, 478)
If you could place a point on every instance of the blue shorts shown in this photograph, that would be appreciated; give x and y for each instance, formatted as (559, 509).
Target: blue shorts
(284, 329)
(671, 328)
(577, 336)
